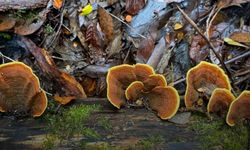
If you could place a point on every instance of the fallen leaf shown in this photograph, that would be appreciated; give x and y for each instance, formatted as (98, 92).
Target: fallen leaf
(146, 48)
(57, 4)
(241, 37)
(86, 10)
(198, 51)
(234, 43)
(6, 22)
(177, 26)
(106, 23)
(27, 27)
(134, 6)
(227, 3)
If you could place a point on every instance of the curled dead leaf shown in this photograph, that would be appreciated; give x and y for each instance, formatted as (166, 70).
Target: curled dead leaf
(6, 22)
(106, 23)
(134, 6)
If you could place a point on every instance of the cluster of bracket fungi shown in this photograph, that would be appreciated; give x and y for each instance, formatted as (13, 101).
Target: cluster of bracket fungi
(130, 83)
(138, 84)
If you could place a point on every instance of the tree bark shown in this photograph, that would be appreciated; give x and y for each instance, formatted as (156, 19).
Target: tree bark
(22, 4)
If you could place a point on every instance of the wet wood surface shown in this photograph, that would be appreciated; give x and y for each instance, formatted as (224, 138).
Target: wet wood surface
(129, 126)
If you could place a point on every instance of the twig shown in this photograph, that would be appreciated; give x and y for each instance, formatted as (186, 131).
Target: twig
(125, 23)
(227, 62)
(59, 27)
(206, 39)
(2, 55)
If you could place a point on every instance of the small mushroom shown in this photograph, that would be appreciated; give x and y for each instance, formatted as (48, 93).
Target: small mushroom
(154, 80)
(240, 108)
(220, 100)
(205, 77)
(20, 90)
(134, 90)
(143, 71)
(164, 100)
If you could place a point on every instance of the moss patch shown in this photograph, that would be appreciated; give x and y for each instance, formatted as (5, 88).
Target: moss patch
(216, 134)
(69, 126)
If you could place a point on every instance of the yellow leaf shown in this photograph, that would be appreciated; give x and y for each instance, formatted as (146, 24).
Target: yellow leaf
(86, 10)
(234, 43)
(57, 4)
(178, 26)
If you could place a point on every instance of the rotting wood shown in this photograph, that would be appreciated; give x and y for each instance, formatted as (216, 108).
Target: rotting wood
(22, 4)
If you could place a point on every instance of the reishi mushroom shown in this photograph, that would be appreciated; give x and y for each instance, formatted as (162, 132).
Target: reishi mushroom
(205, 76)
(139, 82)
(220, 100)
(240, 108)
(20, 90)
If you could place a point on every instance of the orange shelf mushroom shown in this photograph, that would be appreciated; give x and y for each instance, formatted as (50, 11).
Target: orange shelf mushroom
(239, 109)
(20, 90)
(220, 100)
(134, 90)
(120, 77)
(139, 82)
(205, 76)
(164, 100)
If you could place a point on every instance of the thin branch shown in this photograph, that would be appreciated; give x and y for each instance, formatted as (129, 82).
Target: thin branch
(227, 62)
(206, 39)
(125, 23)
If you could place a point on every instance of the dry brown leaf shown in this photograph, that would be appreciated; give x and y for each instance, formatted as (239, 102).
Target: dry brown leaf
(6, 22)
(197, 51)
(106, 23)
(134, 6)
(57, 4)
(66, 86)
(146, 48)
(241, 37)
(26, 27)
(227, 3)
(115, 45)
(92, 35)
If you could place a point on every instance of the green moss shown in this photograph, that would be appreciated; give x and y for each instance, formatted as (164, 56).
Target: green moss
(152, 142)
(48, 29)
(5, 36)
(216, 134)
(105, 123)
(70, 125)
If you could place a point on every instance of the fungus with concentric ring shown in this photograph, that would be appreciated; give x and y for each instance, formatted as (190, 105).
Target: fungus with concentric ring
(20, 90)
(220, 101)
(204, 77)
(239, 109)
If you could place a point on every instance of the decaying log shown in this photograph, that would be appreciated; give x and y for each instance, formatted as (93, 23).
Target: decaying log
(22, 4)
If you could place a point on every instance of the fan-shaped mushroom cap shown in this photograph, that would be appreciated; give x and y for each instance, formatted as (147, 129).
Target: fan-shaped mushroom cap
(134, 90)
(164, 100)
(118, 79)
(240, 108)
(154, 80)
(143, 71)
(204, 75)
(20, 90)
(220, 100)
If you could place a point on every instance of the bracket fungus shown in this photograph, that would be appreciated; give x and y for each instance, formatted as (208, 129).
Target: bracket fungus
(220, 100)
(239, 109)
(20, 90)
(139, 82)
(204, 78)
